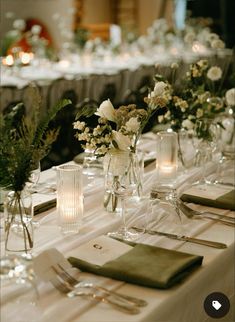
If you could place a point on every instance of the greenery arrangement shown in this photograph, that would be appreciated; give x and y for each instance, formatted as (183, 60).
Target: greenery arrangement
(22, 147)
(200, 97)
(23, 143)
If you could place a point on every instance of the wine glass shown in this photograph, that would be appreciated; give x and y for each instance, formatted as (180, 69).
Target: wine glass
(18, 292)
(124, 190)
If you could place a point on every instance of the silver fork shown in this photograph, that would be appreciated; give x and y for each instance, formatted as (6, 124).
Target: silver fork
(71, 292)
(64, 274)
(190, 213)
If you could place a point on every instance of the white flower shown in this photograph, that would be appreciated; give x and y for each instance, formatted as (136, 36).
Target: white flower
(212, 36)
(79, 125)
(199, 113)
(217, 44)
(123, 142)
(230, 97)
(36, 29)
(174, 65)
(132, 125)
(159, 88)
(214, 73)
(187, 124)
(160, 118)
(203, 63)
(19, 24)
(106, 110)
(189, 37)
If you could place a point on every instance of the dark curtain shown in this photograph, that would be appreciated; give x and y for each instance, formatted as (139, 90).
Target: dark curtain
(222, 12)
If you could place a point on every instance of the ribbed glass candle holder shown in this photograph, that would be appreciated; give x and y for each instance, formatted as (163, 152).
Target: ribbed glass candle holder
(69, 198)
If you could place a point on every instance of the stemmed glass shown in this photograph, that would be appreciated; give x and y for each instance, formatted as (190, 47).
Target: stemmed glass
(31, 184)
(206, 130)
(124, 188)
(18, 292)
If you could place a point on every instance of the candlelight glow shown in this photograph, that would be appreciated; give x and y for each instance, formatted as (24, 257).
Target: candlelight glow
(8, 60)
(25, 58)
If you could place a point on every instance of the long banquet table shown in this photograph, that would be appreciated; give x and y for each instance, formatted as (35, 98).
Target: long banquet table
(181, 303)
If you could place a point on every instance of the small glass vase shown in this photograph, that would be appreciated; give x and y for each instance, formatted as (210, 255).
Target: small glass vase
(205, 131)
(18, 213)
(121, 166)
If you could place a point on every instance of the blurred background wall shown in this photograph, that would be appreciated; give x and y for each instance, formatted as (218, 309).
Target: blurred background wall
(135, 15)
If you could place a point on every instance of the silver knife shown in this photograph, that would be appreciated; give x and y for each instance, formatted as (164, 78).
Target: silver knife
(184, 238)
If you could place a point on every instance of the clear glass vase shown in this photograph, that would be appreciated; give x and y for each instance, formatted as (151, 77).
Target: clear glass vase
(119, 167)
(225, 173)
(18, 215)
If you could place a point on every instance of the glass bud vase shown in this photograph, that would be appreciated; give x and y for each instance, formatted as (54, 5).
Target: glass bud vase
(18, 213)
(121, 166)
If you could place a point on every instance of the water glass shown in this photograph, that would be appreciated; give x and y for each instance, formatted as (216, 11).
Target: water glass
(69, 198)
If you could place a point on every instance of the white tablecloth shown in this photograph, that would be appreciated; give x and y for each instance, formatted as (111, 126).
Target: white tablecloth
(181, 303)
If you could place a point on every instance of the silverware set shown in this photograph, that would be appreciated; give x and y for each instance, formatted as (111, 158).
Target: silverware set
(52, 266)
(191, 213)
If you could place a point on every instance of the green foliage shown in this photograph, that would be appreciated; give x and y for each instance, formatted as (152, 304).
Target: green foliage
(22, 147)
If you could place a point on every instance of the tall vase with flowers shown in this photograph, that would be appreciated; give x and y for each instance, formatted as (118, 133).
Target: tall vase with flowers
(199, 98)
(21, 148)
(115, 138)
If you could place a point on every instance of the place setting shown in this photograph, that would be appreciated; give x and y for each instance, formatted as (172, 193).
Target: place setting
(117, 161)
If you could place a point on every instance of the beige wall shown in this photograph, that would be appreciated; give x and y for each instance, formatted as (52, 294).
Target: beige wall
(149, 10)
(96, 11)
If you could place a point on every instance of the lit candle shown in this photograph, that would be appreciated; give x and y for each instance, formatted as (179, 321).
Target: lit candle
(167, 157)
(25, 58)
(69, 198)
(64, 64)
(8, 61)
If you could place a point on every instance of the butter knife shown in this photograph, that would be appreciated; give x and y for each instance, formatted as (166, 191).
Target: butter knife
(184, 238)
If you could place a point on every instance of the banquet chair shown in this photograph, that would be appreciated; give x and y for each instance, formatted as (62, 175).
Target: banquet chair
(14, 113)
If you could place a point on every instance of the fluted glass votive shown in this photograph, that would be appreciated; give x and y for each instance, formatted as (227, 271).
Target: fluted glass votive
(69, 198)
(167, 157)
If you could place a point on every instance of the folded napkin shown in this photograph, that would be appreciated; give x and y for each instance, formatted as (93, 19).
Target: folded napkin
(43, 202)
(145, 265)
(224, 200)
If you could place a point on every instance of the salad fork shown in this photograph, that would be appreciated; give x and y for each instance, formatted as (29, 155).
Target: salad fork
(190, 213)
(64, 274)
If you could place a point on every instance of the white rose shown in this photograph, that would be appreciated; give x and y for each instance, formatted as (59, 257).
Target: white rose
(159, 88)
(187, 124)
(106, 110)
(214, 73)
(212, 36)
(230, 97)
(36, 29)
(217, 44)
(19, 24)
(123, 142)
(189, 37)
(133, 125)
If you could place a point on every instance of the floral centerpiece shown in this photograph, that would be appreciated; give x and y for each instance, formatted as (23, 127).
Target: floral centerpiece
(199, 98)
(21, 148)
(117, 128)
(115, 137)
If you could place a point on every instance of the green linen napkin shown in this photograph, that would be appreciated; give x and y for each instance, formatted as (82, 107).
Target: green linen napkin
(226, 201)
(145, 265)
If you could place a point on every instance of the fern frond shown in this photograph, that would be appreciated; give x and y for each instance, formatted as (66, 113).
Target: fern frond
(43, 124)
